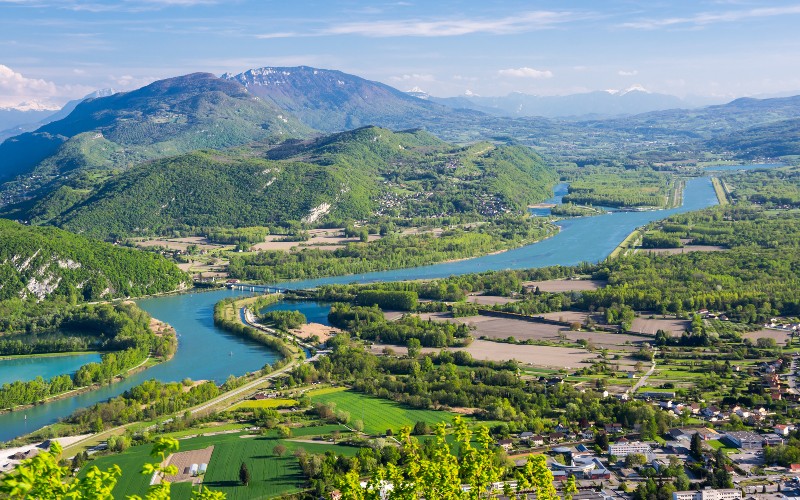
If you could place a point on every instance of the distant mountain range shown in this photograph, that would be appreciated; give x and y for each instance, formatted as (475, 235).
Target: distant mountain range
(631, 101)
(216, 136)
(10, 125)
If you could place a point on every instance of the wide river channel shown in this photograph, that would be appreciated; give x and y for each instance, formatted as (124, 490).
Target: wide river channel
(207, 353)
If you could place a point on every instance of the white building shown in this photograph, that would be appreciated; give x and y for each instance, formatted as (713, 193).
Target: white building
(624, 448)
(707, 494)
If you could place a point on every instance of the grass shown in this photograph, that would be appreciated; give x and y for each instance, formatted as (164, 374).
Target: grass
(206, 430)
(271, 475)
(626, 244)
(377, 414)
(325, 390)
(722, 196)
(265, 403)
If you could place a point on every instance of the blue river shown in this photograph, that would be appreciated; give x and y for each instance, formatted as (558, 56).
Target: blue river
(207, 353)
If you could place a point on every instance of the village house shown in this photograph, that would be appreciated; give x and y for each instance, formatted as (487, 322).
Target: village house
(506, 444)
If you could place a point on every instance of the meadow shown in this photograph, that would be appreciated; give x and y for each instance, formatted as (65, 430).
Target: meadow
(271, 475)
(378, 415)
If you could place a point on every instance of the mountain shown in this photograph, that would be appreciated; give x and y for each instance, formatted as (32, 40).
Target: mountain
(772, 140)
(164, 118)
(50, 115)
(13, 117)
(710, 121)
(46, 263)
(600, 104)
(352, 175)
(333, 101)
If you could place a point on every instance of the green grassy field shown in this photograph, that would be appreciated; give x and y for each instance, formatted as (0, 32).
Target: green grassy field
(271, 475)
(377, 414)
(266, 403)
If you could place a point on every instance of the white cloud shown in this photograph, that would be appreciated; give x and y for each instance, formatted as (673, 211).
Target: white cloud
(127, 82)
(706, 18)
(16, 88)
(284, 34)
(527, 21)
(416, 77)
(525, 72)
(622, 72)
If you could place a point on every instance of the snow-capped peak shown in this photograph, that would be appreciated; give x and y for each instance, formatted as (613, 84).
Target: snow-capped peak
(416, 90)
(470, 93)
(34, 105)
(632, 88)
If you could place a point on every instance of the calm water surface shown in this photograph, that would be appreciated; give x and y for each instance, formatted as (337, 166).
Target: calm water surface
(13, 369)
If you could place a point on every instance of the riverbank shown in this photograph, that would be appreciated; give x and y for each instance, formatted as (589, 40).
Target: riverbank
(49, 355)
(722, 193)
(158, 328)
(629, 242)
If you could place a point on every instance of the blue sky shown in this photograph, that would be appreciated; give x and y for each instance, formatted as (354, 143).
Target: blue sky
(55, 50)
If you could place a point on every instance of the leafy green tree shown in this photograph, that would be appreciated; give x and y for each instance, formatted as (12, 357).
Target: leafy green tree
(43, 477)
(570, 488)
(414, 348)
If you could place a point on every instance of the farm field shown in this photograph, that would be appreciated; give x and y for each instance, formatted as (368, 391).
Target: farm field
(534, 355)
(503, 328)
(378, 414)
(489, 300)
(565, 285)
(650, 326)
(265, 403)
(271, 475)
(684, 249)
(781, 337)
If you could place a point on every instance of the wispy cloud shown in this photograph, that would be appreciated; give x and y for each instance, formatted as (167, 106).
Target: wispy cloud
(109, 5)
(523, 22)
(623, 72)
(526, 72)
(707, 18)
(283, 34)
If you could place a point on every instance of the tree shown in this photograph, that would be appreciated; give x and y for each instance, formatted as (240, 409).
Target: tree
(696, 447)
(279, 450)
(634, 459)
(570, 488)
(284, 432)
(601, 440)
(420, 429)
(244, 474)
(414, 348)
(437, 474)
(42, 477)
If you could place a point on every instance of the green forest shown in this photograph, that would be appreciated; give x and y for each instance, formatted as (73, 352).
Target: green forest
(355, 175)
(391, 252)
(615, 187)
(44, 269)
(123, 328)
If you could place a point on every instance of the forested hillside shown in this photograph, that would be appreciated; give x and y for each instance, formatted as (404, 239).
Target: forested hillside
(107, 134)
(42, 265)
(348, 176)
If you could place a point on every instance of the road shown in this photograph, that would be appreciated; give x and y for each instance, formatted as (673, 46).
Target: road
(250, 320)
(642, 380)
(791, 379)
(245, 388)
